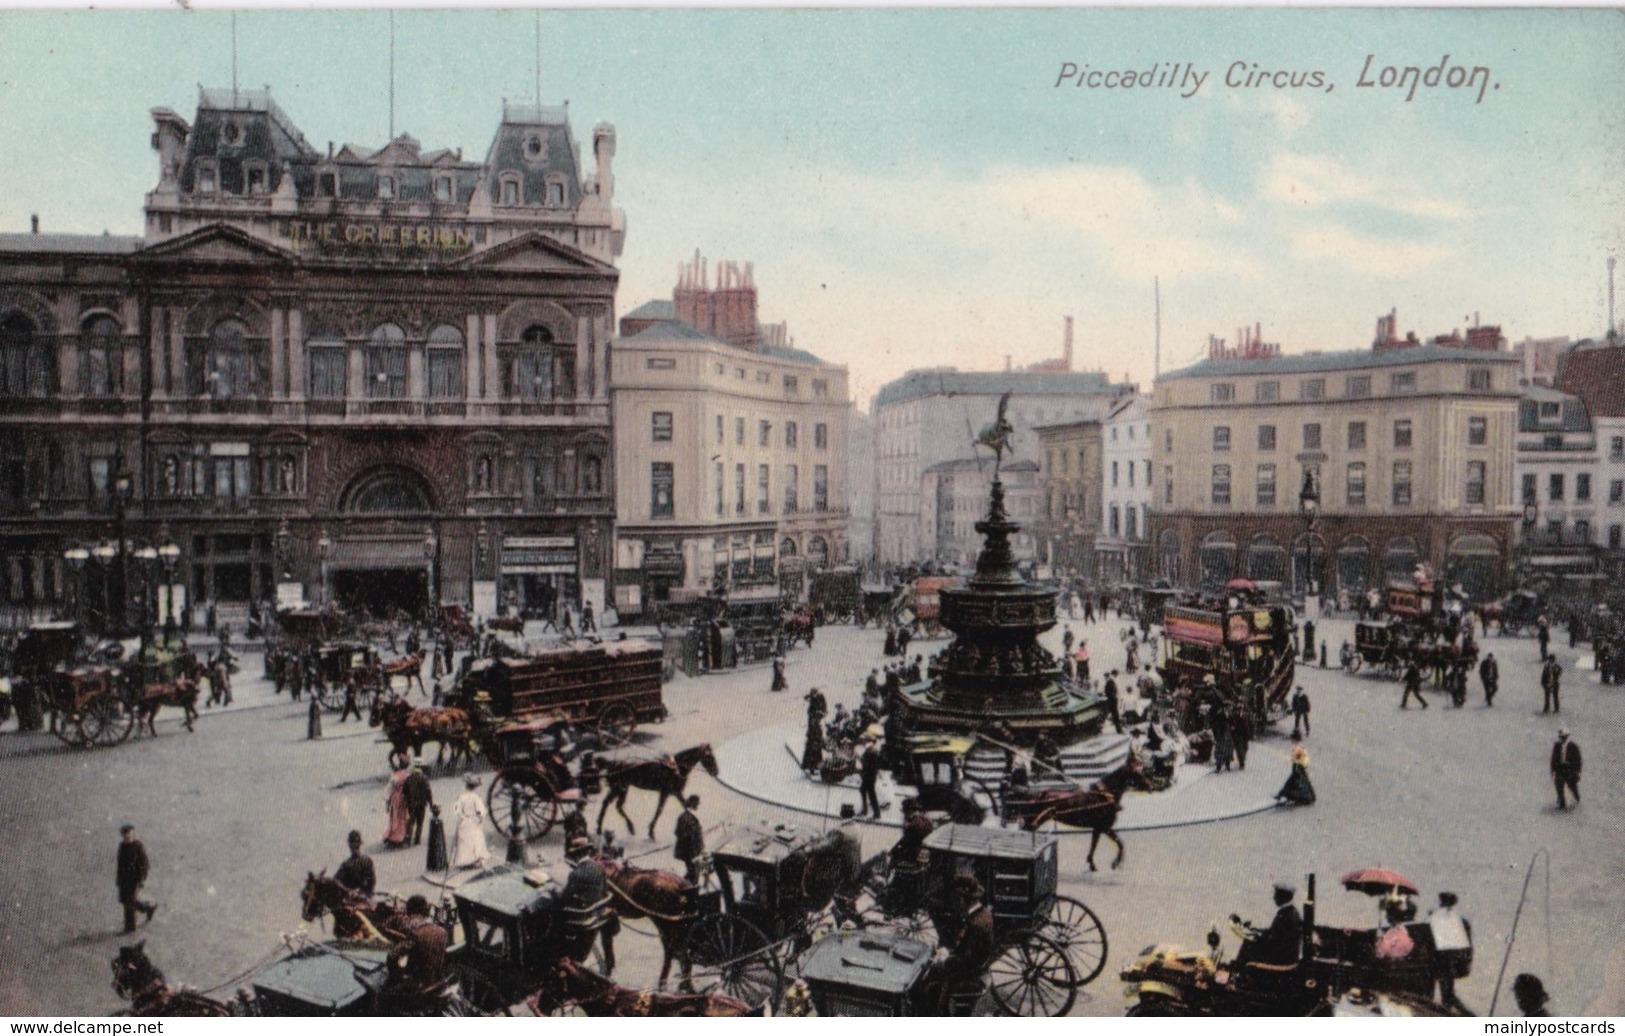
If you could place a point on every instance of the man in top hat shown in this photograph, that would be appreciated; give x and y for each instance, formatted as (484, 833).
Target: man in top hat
(586, 901)
(356, 873)
(1282, 941)
(132, 874)
(1565, 767)
(419, 797)
(905, 855)
(971, 949)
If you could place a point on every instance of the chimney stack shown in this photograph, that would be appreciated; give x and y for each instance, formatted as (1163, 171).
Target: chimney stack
(33, 223)
(1066, 347)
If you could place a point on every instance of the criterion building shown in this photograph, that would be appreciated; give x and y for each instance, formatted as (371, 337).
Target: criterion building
(373, 377)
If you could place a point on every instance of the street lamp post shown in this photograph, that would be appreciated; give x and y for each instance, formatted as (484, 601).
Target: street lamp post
(76, 558)
(169, 553)
(121, 497)
(324, 547)
(1309, 508)
(104, 553)
(148, 557)
(431, 548)
(1531, 513)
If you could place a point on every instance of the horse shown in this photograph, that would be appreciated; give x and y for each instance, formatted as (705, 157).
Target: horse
(137, 979)
(667, 775)
(800, 625)
(355, 916)
(408, 666)
(663, 898)
(598, 997)
(182, 692)
(409, 728)
(1095, 807)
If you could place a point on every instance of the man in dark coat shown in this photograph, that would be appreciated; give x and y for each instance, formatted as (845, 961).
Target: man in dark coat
(972, 948)
(132, 874)
(1300, 711)
(1543, 633)
(1110, 690)
(418, 962)
(419, 797)
(905, 855)
(1413, 687)
(1282, 941)
(1566, 769)
(1551, 677)
(781, 681)
(589, 621)
(356, 873)
(690, 839)
(1241, 732)
(817, 707)
(352, 699)
(812, 751)
(1489, 674)
(869, 773)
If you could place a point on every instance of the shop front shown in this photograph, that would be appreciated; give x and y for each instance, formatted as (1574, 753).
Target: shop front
(538, 572)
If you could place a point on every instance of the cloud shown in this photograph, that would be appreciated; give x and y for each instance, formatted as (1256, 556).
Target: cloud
(1337, 244)
(1319, 181)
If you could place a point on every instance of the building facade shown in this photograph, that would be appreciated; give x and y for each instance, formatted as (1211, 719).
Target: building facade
(1594, 371)
(1409, 447)
(959, 492)
(927, 417)
(379, 377)
(733, 455)
(860, 486)
(1556, 478)
(1068, 520)
(1123, 549)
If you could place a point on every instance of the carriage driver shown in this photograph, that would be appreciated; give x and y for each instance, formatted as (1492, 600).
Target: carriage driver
(972, 949)
(586, 901)
(905, 855)
(1282, 941)
(417, 963)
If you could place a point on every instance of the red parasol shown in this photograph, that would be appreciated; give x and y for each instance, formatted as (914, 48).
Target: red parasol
(1377, 881)
(1241, 584)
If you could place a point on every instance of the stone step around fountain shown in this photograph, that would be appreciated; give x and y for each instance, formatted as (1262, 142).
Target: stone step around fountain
(1086, 761)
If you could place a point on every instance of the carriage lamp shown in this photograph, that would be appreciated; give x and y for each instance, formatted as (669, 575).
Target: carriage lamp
(121, 482)
(169, 553)
(324, 546)
(104, 551)
(76, 557)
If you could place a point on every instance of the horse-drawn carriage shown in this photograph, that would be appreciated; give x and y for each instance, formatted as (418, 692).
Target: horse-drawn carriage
(878, 604)
(923, 605)
(1049, 945)
(1519, 610)
(55, 670)
(614, 686)
(1237, 647)
(1335, 971)
(836, 595)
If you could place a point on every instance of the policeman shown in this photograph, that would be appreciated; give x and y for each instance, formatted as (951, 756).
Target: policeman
(690, 839)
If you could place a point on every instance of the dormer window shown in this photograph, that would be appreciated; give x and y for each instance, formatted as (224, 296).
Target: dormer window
(254, 178)
(327, 185)
(509, 190)
(442, 188)
(533, 146)
(386, 188)
(208, 178)
(555, 193)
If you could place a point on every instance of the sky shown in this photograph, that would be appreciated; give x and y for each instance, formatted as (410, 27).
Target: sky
(913, 186)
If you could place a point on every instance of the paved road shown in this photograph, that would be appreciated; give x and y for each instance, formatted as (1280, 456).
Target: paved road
(235, 814)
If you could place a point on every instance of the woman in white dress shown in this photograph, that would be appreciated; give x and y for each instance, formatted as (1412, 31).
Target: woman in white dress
(468, 848)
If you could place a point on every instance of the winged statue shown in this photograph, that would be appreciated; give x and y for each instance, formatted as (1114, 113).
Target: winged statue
(998, 436)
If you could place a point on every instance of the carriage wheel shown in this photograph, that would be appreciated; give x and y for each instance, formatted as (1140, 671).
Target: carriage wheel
(733, 956)
(1033, 979)
(67, 728)
(88, 725)
(482, 994)
(616, 724)
(1077, 930)
(332, 696)
(532, 795)
(118, 721)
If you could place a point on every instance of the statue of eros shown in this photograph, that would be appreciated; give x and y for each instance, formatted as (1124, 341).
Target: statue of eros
(998, 436)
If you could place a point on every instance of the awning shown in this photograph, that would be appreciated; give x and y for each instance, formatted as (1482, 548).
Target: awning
(376, 554)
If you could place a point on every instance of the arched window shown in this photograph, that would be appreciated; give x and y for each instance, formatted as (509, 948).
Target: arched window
(537, 372)
(1399, 558)
(101, 357)
(445, 363)
(329, 366)
(787, 548)
(386, 362)
(389, 490)
(818, 551)
(1354, 565)
(1218, 560)
(1266, 560)
(1473, 563)
(1168, 547)
(234, 365)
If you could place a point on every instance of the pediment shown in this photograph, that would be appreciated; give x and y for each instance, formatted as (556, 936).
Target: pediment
(535, 253)
(217, 243)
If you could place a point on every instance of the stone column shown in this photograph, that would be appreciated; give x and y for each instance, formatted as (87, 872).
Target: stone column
(493, 372)
(585, 376)
(356, 376)
(177, 353)
(472, 387)
(67, 367)
(279, 366)
(155, 353)
(417, 382)
(601, 335)
(297, 379)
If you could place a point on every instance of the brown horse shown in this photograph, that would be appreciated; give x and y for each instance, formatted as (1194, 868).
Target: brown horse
(182, 693)
(355, 917)
(599, 997)
(662, 897)
(137, 979)
(1094, 808)
(667, 776)
(409, 729)
(408, 666)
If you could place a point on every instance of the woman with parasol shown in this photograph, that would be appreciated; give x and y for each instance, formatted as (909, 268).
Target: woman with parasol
(1297, 791)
